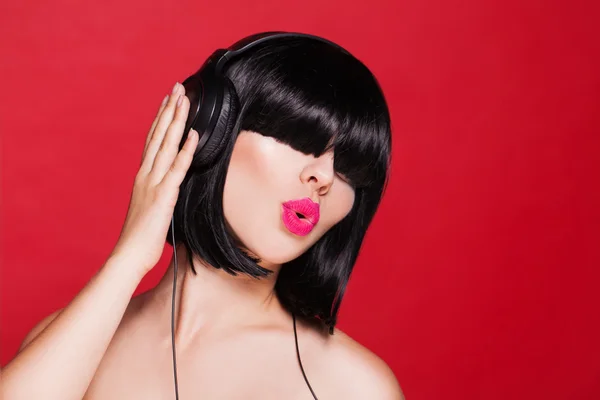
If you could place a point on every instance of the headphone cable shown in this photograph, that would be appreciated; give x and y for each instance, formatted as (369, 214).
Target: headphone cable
(173, 308)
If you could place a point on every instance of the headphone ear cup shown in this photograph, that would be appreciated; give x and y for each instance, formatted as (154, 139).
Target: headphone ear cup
(223, 129)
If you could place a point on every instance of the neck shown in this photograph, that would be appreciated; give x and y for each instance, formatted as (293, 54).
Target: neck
(214, 300)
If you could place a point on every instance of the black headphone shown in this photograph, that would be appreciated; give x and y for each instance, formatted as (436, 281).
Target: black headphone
(214, 106)
(214, 103)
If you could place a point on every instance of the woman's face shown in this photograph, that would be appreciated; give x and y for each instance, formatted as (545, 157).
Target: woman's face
(263, 180)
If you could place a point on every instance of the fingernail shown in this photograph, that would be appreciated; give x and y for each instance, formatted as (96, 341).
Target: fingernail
(165, 100)
(175, 87)
(179, 100)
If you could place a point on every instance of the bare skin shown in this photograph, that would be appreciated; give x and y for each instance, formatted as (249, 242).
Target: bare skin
(234, 340)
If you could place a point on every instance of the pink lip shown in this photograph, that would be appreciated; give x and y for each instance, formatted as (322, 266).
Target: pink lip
(300, 226)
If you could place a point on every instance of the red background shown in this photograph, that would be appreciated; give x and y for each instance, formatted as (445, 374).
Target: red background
(479, 276)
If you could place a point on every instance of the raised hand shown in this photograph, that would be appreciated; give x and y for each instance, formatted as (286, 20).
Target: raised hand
(157, 182)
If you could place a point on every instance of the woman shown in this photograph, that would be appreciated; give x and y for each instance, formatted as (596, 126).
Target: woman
(265, 237)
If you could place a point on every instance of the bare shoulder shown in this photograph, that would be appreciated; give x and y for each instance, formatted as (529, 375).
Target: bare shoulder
(39, 328)
(370, 375)
(343, 368)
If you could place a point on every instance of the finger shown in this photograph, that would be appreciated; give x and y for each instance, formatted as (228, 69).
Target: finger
(170, 144)
(180, 166)
(160, 129)
(153, 126)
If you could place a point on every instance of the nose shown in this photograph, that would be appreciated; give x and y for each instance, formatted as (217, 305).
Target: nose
(319, 174)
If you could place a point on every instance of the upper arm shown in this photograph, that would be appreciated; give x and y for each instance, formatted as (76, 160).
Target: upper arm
(39, 328)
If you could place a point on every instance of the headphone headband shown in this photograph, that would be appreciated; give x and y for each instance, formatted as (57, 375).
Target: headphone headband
(249, 42)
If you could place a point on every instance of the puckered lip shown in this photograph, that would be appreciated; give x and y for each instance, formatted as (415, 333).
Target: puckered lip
(306, 207)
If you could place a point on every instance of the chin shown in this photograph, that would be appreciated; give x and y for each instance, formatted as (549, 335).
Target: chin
(277, 249)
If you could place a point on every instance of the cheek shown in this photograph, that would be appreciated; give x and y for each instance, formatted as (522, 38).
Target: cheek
(257, 159)
(245, 190)
(338, 206)
(252, 196)
(344, 204)
(252, 166)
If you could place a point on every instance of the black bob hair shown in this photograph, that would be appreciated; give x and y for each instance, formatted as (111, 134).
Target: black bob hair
(313, 97)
